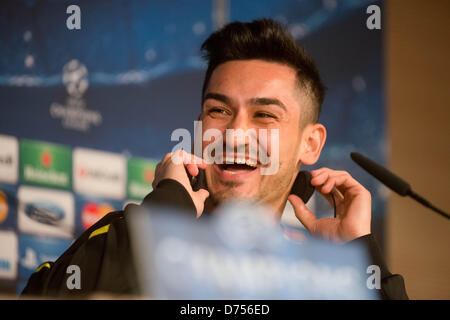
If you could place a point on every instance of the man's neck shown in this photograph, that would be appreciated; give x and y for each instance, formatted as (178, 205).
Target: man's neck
(276, 208)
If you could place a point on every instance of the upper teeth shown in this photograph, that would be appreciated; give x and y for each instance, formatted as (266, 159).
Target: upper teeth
(250, 163)
(246, 161)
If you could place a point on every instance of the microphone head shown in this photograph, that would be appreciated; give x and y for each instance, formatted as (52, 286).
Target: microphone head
(382, 174)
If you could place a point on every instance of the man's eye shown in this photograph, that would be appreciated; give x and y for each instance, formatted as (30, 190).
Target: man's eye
(218, 111)
(264, 115)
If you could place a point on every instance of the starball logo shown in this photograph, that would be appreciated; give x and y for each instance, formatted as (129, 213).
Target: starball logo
(74, 114)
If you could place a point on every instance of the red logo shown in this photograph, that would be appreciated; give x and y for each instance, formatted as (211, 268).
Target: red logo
(46, 159)
(92, 212)
(82, 172)
(3, 206)
(149, 175)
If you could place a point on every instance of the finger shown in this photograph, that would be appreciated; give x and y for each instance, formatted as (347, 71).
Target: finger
(191, 166)
(344, 183)
(167, 156)
(319, 171)
(176, 157)
(306, 217)
(189, 158)
(155, 183)
(319, 179)
(325, 177)
(157, 172)
(321, 176)
(201, 195)
(330, 184)
(330, 172)
(192, 169)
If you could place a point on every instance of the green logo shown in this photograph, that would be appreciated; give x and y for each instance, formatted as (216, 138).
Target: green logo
(140, 176)
(46, 164)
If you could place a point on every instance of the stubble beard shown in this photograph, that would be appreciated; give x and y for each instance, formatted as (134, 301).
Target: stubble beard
(270, 192)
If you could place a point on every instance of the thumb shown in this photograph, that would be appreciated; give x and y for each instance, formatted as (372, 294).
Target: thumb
(201, 196)
(306, 217)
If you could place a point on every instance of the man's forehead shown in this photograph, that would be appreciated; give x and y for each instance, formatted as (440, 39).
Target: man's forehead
(267, 71)
(250, 79)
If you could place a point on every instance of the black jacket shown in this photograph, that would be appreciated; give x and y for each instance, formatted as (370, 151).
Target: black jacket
(104, 255)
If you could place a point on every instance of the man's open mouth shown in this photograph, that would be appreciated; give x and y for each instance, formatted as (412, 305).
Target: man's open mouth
(239, 166)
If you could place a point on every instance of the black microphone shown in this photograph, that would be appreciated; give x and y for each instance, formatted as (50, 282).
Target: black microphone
(392, 181)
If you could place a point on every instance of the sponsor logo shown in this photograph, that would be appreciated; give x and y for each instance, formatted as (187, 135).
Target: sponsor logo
(141, 173)
(8, 255)
(30, 260)
(5, 264)
(45, 163)
(6, 160)
(88, 173)
(46, 159)
(46, 212)
(73, 114)
(9, 151)
(35, 250)
(93, 211)
(3, 206)
(99, 173)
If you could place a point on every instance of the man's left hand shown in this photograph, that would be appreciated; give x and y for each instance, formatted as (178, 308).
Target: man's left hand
(353, 207)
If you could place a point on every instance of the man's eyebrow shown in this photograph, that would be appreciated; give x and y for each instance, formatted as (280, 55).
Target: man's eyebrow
(254, 101)
(267, 101)
(217, 96)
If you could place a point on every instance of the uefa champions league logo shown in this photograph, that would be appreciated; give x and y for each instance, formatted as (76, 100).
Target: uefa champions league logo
(74, 114)
(75, 78)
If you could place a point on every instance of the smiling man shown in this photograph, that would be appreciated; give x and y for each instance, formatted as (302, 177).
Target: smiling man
(257, 79)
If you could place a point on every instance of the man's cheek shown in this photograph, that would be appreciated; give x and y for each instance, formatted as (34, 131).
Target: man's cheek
(271, 159)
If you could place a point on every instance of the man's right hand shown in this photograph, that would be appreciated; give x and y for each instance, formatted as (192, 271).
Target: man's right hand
(174, 166)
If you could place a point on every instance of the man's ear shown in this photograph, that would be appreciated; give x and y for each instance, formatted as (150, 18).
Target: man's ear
(313, 140)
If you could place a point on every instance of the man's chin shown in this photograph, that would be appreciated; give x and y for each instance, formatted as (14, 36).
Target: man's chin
(233, 193)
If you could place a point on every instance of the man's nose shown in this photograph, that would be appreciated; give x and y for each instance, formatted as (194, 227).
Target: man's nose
(240, 125)
(239, 121)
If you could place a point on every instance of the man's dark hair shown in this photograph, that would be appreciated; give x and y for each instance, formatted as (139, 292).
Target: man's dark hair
(267, 40)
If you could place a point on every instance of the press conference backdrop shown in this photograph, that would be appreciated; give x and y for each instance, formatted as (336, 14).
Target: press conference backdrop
(86, 114)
